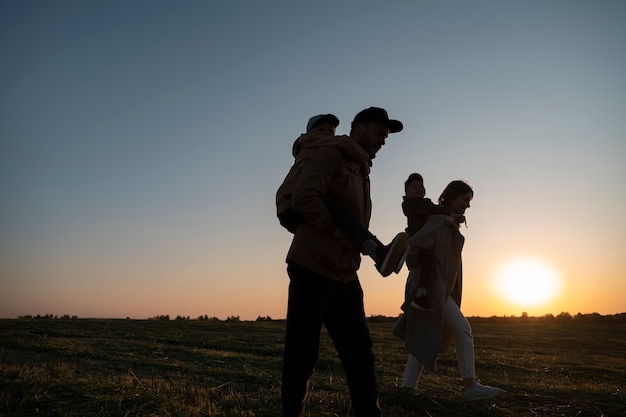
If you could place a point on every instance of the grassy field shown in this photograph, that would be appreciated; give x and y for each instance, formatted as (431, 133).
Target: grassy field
(89, 367)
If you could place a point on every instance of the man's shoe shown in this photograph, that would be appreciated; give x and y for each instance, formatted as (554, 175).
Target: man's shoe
(388, 257)
(479, 391)
(422, 303)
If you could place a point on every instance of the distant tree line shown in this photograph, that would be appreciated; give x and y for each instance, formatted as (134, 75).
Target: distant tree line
(48, 317)
(561, 317)
(164, 317)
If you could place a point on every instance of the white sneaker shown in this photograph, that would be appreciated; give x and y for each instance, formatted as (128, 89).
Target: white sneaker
(479, 391)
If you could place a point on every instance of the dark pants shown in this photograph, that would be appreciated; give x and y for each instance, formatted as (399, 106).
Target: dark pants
(315, 300)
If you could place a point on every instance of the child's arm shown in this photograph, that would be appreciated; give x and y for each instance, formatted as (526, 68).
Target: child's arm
(353, 167)
(422, 207)
(431, 208)
(357, 157)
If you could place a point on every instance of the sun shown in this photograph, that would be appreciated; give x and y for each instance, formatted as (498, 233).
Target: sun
(527, 283)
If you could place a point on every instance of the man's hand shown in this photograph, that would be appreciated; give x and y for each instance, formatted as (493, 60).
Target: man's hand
(353, 166)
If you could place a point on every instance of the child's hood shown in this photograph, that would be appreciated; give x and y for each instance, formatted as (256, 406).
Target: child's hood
(313, 140)
(347, 146)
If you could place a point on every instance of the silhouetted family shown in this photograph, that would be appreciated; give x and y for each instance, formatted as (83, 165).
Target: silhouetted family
(325, 202)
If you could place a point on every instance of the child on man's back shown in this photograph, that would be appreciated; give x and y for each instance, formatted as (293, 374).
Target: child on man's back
(321, 132)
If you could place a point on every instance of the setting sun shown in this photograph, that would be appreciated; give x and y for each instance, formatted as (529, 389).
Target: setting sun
(527, 283)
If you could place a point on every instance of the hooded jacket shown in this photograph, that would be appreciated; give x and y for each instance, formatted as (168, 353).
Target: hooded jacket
(423, 332)
(302, 149)
(319, 244)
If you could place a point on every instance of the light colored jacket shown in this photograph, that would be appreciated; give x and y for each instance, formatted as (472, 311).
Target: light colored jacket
(424, 332)
(319, 244)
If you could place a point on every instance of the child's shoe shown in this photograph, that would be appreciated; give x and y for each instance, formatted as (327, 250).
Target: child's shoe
(388, 257)
(400, 264)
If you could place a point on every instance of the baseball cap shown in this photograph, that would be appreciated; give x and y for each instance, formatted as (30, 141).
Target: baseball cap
(376, 114)
(313, 120)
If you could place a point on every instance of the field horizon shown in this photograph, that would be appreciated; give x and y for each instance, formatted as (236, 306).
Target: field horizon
(551, 366)
(523, 316)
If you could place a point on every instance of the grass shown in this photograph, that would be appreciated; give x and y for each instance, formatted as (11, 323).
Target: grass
(97, 367)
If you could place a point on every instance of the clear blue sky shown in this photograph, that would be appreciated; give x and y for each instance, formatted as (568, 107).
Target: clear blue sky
(142, 143)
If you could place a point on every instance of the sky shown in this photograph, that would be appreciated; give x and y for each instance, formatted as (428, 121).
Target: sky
(142, 143)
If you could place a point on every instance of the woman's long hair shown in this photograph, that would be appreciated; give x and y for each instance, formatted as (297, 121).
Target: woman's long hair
(453, 190)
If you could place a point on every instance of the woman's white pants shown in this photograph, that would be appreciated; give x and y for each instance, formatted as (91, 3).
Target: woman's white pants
(464, 342)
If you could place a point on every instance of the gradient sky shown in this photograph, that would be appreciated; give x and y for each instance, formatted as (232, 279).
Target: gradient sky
(142, 143)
